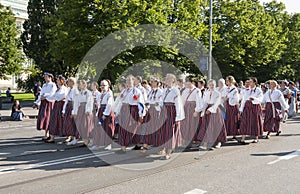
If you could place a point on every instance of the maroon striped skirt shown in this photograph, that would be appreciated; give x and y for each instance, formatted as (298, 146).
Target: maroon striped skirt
(69, 125)
(150, 126)
(272, 122)
(43, 118)
(56, 119)
(169, 134)
(128, 124)
(103, 134)
(232, 118)
(251, 119)
(212, 128)
(84, 122)
(190, 123)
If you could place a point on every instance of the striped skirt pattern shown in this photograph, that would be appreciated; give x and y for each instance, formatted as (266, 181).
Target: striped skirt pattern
(103, 134)
(150, 126)
(232, 118)
(69, 125)
(190, 123)
(212, 128)
(128, 121)
(251, 119)
(169, 134)
(271, 122)
(44, 115)
(84, 122)
(56, 119)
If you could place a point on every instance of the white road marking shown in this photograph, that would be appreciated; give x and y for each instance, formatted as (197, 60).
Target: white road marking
(196, 191)
(286, 157)
(56, 162)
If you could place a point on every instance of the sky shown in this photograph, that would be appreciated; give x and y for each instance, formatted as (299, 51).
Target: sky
(292, 6)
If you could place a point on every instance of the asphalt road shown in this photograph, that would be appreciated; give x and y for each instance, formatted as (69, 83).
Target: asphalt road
(27, 165)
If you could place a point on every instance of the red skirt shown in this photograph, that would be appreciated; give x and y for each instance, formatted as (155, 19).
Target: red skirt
(232, 118)
(69, 125)
(84, 122)
(44, 115)
(56, 119)
(251, 120)
(213, 128)
(169, 134)
(103, 134)
(190, 123)
(272, 122)
(150, 126)
(128, 124)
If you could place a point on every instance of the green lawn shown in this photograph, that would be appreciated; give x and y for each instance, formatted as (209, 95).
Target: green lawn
(22, 96)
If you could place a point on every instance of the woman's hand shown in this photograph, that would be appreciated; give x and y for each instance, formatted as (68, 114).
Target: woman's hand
(207, 112)
(195, 114)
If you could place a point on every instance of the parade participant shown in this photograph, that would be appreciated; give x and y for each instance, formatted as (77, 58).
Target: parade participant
(151, 120)
(117, 107)
(221, 90)
(104, 129)
(274, 100)
(131, 113)
(212, 131)
(172, 114)
(69, 125)
(201, 86)
(251, 118)
(192, 103)
(181, 86)
(241, 86)
(82, 111)
(293, 101)
(146, 86)
(232, 107)
(56, 120)
(45, 102)
(96, 94)
(137, 139)
(287, 96)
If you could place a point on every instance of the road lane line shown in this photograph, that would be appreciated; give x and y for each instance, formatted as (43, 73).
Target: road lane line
(286, 157)
(196, 191)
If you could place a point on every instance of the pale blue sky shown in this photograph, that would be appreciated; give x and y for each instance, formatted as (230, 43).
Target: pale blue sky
(292, 6)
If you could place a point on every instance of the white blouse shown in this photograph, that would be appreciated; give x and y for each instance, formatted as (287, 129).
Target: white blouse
(211, 98)
(254, 93)
(172, 95)
(70, 97)
(143, 91)
(275, 96)
(61, 93)
(132, 96)
(232, 94)
(83, 96)
(48, 91)
(154, 96)
(106, 98)
(193, 95)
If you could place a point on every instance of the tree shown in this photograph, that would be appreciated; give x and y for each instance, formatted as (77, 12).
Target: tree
(10, 53)
(34, 38)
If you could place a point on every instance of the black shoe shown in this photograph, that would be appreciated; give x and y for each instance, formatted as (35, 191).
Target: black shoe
(277, 134)
(50, 141)
(267, 137)
(243, 143)
(255, 141)
(45, 138)
(136, 147)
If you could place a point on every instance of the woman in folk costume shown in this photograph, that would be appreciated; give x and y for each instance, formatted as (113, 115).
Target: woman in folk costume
(212, 130)
(56, 119)
(232, 107)
(287, 93)
(45, 103)
(251, 121)
(131, 113)
(117, 107)
(69, 125)
(192, 102)
(96, 94)
(274, 101)
(104, 129)
(172, 113)
(151, 121)
(82, 111)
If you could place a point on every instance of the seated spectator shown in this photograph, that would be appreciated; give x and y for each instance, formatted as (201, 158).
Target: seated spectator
(17, 113)
(8, 94)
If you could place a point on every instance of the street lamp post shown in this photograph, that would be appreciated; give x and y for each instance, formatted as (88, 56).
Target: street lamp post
(210, 40)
